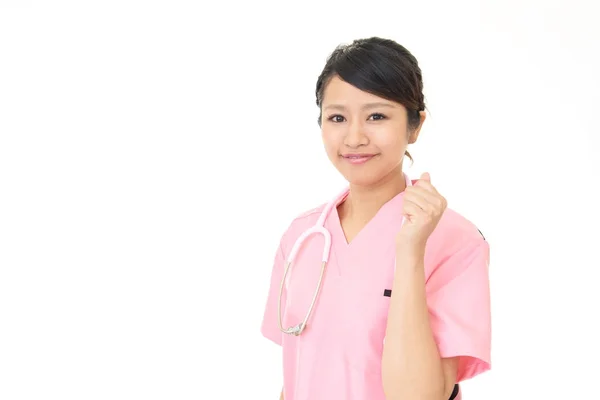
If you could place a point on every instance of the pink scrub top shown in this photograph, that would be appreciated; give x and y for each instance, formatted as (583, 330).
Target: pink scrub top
(338, 356)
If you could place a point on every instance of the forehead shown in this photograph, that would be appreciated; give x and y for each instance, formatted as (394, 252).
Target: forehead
(340, 94)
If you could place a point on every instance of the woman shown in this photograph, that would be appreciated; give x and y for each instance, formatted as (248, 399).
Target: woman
(403, 310)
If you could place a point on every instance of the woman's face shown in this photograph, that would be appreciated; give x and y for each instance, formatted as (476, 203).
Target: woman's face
(365, 136)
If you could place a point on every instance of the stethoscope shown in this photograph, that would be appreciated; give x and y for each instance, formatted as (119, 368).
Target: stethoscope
(319, 227)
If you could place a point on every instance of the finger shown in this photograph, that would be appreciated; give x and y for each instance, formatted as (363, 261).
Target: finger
(416, 197)
(426, 185)
(425, 177)
(428, 201)
(433, 198)
(412, 210)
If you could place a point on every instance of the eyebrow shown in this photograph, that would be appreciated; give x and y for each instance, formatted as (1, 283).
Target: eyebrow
(365, 107)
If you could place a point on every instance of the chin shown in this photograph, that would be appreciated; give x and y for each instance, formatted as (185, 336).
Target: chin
(367, 175)
(362, 178)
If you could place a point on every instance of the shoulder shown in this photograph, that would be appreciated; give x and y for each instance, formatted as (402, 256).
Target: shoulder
(300, 223)
(455, 243)
(457, 227)
(309, 215)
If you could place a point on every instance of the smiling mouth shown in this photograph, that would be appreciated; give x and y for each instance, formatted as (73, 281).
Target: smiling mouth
(358, 155)
(358, 158)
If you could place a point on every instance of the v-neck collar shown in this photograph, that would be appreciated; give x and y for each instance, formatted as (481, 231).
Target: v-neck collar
(392, 209)
(386, 230)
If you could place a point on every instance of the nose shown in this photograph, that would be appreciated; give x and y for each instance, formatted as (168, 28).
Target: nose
(356, 135)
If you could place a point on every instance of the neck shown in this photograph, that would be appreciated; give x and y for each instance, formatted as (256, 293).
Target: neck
(363, 202)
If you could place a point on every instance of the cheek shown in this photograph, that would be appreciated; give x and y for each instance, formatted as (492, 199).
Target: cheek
(331, 142)
(390, 141)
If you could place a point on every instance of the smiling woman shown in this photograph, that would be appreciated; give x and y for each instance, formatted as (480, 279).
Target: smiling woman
(348, 113)
(400, 308)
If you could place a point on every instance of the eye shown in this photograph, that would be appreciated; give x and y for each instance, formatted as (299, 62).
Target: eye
(377, 116)
(336, 118)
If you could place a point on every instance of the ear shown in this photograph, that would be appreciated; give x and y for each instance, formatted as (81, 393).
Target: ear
(414, 135)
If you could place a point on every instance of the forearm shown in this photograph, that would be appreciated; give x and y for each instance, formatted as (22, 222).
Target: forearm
(411, 364)
(281, 395)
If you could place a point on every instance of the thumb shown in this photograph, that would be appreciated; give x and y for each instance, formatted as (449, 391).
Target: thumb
(425, 176)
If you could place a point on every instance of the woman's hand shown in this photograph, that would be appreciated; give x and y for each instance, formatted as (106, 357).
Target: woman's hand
(422, 209)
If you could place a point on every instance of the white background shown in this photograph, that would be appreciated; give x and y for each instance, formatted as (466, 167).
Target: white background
(152, 153)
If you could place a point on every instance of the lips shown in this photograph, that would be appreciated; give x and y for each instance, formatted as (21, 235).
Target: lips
(358, 158)
(355, 156)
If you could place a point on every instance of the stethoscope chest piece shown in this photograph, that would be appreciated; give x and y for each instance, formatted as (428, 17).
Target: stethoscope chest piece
(297, 330)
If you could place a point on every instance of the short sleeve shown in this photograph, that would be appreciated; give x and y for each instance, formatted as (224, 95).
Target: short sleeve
(459, 304)
(270, 323)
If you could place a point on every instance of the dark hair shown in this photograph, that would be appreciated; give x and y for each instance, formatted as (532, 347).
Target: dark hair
(381, 67)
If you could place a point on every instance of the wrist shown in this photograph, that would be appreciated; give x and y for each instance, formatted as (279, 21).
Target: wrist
(411, 247)
(410, 253)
